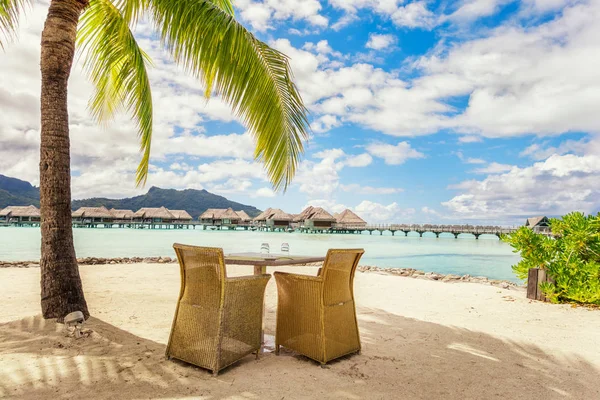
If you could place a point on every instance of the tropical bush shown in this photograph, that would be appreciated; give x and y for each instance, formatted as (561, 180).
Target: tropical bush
(571, 257)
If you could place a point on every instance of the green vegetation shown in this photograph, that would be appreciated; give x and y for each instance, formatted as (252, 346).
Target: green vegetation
(571, 258)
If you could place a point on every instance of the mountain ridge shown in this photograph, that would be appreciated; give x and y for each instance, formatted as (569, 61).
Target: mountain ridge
(15, 192)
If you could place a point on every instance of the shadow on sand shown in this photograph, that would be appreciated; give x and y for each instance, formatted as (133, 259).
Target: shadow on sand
(402, 359)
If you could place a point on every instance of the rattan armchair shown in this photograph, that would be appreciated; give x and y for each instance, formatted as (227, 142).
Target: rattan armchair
(316, 315)
(218, 320)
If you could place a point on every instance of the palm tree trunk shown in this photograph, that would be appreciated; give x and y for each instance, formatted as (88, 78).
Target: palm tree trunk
(62, 291)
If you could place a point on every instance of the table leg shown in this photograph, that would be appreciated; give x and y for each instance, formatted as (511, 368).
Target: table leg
(260, 270)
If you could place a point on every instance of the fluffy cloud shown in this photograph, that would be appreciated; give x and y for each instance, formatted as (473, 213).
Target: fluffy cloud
(376, 213)
(394, 155)
(369, 190)
(261, 14)
(558, 185)
(493, 168)
(513, 77)
(361, 160)
(380, 41)
(473, 9)
(413, 15)
(541, 151)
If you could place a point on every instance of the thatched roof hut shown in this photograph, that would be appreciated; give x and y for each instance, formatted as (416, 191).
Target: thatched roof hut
(211, 213)
(244, 217)
(537, 221)
(349, 218)
(319, 214)
(181, 215)
(279, 215)
(263, 215)
(20, 211)
(154, 213)
(216, 214)
(122, 214)
(92, 212)
(305, 213)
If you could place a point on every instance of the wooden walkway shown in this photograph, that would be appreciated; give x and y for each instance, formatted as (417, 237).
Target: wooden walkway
(456, 230)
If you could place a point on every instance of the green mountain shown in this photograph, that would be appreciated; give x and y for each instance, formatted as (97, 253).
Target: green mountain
(193, 201)
(14, 192)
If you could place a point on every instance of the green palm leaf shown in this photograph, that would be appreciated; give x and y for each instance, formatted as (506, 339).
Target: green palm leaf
(254, 78)
(117, 67)
(10, 10)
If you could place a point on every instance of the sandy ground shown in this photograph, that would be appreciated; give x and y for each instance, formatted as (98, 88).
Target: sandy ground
(421, 340)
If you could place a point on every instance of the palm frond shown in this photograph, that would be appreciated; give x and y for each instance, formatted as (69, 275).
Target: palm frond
(253, 78)
(10, 10)
(118, 68)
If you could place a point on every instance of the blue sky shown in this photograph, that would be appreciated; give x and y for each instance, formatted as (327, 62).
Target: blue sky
(477, 111)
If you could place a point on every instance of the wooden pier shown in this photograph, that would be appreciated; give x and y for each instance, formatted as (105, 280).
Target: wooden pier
(455, 230)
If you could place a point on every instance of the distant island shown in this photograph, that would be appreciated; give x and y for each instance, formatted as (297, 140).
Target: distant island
(15, 192)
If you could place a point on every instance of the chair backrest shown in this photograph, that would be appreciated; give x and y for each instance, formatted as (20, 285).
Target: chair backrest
(202, 274)
(264, 248)
(285, 247)
(338, 274)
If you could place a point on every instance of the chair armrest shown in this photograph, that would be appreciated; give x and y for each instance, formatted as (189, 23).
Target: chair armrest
(248, 278)
(298, 285)
(286, 276)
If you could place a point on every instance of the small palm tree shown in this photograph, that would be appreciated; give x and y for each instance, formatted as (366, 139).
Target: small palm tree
(204, 38)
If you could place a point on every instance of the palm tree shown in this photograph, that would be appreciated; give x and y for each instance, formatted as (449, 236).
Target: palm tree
(204, 38)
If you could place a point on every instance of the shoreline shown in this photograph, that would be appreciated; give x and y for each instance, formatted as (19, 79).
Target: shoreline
(404, 272)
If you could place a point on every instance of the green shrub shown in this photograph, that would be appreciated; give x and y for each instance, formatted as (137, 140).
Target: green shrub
(571, 257)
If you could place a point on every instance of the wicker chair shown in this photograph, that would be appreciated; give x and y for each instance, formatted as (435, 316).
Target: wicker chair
(316, 315)
(218, 320)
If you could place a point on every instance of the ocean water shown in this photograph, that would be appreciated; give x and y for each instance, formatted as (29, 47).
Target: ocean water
(487, 256)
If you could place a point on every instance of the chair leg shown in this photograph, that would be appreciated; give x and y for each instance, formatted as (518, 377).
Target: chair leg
(276, 349)
(215, 372)
(257, 354)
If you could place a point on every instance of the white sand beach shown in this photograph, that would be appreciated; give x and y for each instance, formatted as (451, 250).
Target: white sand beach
(421, 340)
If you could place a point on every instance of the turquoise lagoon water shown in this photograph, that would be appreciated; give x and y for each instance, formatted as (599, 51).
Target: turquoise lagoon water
(465, 255)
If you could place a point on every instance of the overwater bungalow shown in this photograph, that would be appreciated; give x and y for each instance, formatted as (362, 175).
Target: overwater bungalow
(261, 219)
(219, 217)
(181, 216)
(244, 217)
(538, 224)
(91, 215)
(153, 216)
(20, 214)
(315, 218)
(278, 219)
(122, 215)
(349, 220)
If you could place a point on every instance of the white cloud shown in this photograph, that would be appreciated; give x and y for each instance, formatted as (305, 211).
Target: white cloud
(376, 213)
(361, 160)
(493, 168)
(541, 151)
(265, 192)
(380, 41)
(261, 14)
(413, 15)
(469, 160)
(394, 155)
(470, 139)
(558, 185)
(359, 189)
(473, 9)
